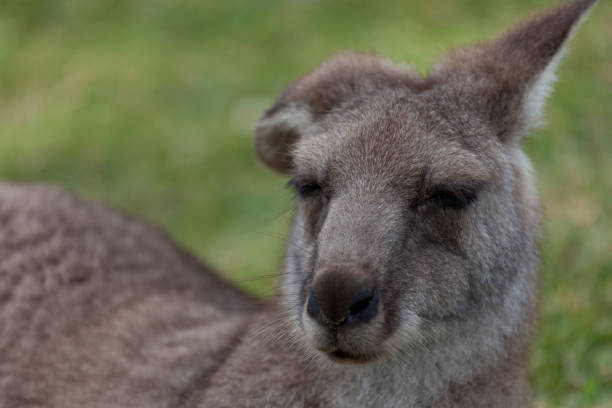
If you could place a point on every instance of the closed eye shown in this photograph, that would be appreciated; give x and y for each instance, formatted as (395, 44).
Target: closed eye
(445, 197)
(456, 199)
(305, 187)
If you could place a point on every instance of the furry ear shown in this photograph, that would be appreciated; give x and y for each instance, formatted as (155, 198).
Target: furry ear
(507, 81)
(276, 134)
(308, 100)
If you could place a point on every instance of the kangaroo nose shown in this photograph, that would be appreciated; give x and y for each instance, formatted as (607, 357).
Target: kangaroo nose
(337, 299)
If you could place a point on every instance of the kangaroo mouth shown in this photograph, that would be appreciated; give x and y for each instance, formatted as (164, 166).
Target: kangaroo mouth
(342, 356)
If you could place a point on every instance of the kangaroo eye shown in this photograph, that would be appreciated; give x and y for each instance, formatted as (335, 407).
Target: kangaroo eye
(454, 199)
(305, 187)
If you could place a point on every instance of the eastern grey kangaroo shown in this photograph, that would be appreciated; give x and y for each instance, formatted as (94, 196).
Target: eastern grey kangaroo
(410, 278)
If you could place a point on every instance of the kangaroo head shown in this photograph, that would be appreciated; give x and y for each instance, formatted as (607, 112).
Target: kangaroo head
(414, 204)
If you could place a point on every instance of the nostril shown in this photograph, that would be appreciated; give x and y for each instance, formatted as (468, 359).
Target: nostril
(361, 303)
(364, 306)
(313, 308)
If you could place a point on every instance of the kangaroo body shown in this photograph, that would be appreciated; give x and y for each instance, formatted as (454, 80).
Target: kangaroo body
(98, 310)
(411, 272)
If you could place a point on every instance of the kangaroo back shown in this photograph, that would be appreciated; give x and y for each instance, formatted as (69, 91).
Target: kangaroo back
(97, 310)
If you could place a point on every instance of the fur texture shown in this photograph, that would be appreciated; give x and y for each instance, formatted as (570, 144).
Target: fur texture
(414, 186)
(97, 310)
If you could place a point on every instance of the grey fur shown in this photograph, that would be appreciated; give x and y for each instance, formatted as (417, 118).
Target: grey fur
(414, 184)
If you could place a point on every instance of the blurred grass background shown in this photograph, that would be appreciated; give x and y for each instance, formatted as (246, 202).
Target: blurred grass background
(149, 105)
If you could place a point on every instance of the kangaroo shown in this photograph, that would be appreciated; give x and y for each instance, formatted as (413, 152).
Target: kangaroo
(411, 271)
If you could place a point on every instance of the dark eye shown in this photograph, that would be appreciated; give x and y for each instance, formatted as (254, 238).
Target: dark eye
(454, 199)
(305, 187)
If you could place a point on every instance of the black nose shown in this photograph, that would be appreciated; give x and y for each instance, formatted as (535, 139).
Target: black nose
(338, 301)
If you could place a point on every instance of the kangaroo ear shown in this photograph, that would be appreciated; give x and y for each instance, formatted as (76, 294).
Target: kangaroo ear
(507, 80)
(278, 130)
(304, 103)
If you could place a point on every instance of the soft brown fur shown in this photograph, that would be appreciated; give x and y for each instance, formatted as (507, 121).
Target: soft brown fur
(410, 187)
(97, 310)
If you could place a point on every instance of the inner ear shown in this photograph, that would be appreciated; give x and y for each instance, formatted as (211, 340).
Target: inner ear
(276, 134)
(506, 81)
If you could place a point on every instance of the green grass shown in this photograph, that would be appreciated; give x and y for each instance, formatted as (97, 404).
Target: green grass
(148, 106)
